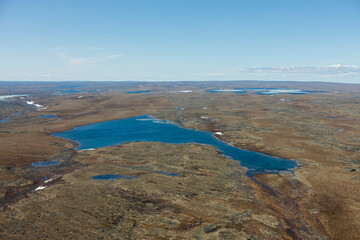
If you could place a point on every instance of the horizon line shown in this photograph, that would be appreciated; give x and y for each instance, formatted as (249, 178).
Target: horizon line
(169, 81)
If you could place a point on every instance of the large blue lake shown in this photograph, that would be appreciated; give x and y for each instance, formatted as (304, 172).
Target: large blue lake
(263, 91)
(146, 128)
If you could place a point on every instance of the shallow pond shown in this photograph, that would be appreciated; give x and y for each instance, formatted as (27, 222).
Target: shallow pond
(44, 164)
(112, 176)
(48, 116)
(168, 173)
(130, 92)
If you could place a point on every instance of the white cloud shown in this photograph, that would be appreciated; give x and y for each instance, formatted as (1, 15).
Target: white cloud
(85, 61)
(335, 70)
(329, 69)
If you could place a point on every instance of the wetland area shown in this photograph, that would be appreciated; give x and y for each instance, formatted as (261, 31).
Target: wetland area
(179, 160)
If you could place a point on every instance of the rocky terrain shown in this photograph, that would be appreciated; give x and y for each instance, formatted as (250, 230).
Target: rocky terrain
(209, 196)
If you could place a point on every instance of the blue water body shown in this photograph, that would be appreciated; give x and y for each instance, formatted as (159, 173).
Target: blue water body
(112, 176)
(44, 164)
(63, 90)
(333, 117)
(277, 91)
(16, 114)
(5, 120)
(48, 116)
(73, 91)
(264, 91)
(69, 86)
(130, 92)
(146, 128)
(168, 173)
(274, 92)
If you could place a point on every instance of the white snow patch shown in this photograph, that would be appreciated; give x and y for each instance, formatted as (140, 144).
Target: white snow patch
(219, 133)
(205, 108)
(80, 96)
(38, 106)
(161, 121)
(203, 117)
(185, 91)
(39, 188)
(154, 120)
(4, 97)
(49, 180)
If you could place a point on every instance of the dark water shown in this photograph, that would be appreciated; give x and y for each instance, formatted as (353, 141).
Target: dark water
(48, 116)
(146, 128)
(112, 176)
(130, 92)
(44, 164)
(168, 173)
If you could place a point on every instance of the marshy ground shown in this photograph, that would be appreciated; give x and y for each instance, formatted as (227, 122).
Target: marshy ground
(211, 198)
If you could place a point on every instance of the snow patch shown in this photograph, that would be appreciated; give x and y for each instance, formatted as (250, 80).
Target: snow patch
(5, 97)
(39, 188)
(49, 180)
(38, 106)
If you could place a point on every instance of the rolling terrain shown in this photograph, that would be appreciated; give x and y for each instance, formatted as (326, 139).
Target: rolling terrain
(181, 191)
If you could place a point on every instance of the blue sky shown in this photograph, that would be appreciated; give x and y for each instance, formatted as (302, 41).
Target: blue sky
(164, 40)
